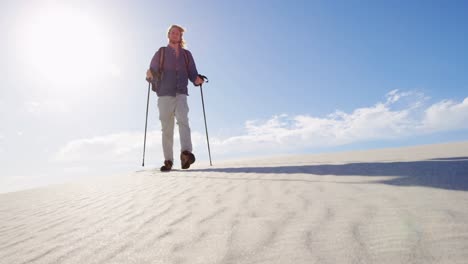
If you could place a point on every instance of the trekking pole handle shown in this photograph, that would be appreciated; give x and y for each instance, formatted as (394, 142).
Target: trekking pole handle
(203, 77)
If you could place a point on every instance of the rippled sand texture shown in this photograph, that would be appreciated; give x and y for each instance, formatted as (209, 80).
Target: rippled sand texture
(407, 205)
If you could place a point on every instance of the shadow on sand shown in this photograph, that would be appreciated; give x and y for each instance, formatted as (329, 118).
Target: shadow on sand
(444, 173)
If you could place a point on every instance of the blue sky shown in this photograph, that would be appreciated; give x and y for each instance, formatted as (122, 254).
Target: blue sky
(285, 77)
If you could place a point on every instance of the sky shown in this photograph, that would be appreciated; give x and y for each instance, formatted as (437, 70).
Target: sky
(285, 77)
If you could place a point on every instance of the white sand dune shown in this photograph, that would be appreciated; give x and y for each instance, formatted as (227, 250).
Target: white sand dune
(407, 205)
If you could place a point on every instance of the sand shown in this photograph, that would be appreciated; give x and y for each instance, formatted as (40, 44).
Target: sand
(404, 205)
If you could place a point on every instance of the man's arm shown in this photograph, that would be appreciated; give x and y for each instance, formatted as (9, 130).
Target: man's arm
(192, 68)
(154, 66)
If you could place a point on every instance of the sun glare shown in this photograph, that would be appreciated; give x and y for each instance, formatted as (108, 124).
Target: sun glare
(63, 44)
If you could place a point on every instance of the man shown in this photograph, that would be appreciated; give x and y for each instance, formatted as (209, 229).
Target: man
(170, 84)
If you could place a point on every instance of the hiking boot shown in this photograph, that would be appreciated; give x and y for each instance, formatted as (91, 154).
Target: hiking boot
(186, 159)
(167, 165)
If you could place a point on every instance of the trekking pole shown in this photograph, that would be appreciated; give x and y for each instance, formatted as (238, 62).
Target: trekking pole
(146, 125)
(204, 115)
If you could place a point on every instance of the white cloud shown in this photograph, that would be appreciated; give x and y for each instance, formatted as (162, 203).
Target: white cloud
(402, 115)
(446, 115)
(40, 107)
(119, 147)
(123, 148)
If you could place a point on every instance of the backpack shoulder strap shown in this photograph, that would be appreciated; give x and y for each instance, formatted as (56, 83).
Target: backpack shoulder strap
(161, 51)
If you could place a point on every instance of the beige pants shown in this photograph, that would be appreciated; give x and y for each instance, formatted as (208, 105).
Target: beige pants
(170, 107)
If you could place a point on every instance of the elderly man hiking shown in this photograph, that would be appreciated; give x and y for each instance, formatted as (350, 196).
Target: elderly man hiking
(170, 69)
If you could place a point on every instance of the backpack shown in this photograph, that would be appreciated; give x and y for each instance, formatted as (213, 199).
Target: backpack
(160, 73)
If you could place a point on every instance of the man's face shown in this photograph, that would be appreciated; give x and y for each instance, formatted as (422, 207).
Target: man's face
(174, 35)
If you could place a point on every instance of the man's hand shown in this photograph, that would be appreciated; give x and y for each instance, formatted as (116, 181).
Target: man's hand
(149, 76)
(199, 81)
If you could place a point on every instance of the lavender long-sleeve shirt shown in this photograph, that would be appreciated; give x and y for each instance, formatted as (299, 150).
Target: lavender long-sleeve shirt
(175, 76)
